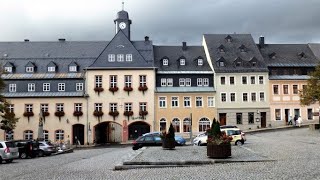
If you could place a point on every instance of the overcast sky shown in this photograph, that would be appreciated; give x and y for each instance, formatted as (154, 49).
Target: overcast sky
(166, 22)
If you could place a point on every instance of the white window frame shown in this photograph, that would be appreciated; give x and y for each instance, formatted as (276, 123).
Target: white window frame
(188, 81)
(169, 81)
(46, 87)
(51, 69)
(29, 69)
(187, 101)
(199, 82)
(254, 82)
(248, 99)
(111, 57)
(28, 135)
(221, 100)
(255, 95)
(113, 81)
(28, 107)
(143, 80)
(78, 107)
(261, 81)
(129, 57)
(44, 107)
(120, 57)
(128, 106)
(182, 62)
(98, 81)
(279, 89)
(182, 81)
(205, 81)
(59, 107)
(11, 108)
(199, 101)
(211, 101)
(165, 62)
(142, 106)
(163, 82)
(61, 87)
(73, 68)
(235, 97)
(59, 135)
(31, 87)
(264, 97)
(162, 102)
(225, 80)
(174, 101)
(287, 88)
(98, 106)
(128, 81)
(113, 107)
(8, 69)
(79, 86)
(234, 80)
(12, 87)
(200, 62)
(246, 80)
(46, 135)
(293, 89)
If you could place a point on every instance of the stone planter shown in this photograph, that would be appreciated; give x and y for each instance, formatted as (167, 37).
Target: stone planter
(219, 151)
(168, 143)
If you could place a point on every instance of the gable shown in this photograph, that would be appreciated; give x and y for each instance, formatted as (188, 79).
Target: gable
(120, 49)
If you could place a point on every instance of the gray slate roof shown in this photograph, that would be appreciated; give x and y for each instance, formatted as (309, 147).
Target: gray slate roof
(184, 89)
(315, 48)
(288, 55)
(289, 77)
(43, 76)
(43, 94)
(232, 53)
(174, 53)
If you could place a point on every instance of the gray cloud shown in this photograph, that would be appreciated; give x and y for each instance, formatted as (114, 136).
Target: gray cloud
(165, 21)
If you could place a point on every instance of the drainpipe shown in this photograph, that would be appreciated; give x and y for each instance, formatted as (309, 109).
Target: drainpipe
(87, 102)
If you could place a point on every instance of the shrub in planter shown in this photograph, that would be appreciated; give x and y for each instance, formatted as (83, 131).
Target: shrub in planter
(128, 89)
(77, 114)
(143, 113)
(59, 114)
(46, 113)
(114, 114)
(28, 114)
(113, 89)
(168, 141)
(98, 89)
(98, 114)
(143, 88)
(128, 113)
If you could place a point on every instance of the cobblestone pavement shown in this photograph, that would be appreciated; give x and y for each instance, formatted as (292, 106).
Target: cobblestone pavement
(296, 152)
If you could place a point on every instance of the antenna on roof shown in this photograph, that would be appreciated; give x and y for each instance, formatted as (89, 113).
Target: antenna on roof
(122, 5)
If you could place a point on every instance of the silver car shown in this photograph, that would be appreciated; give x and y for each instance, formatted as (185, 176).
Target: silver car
(46, 148)
(8, 151)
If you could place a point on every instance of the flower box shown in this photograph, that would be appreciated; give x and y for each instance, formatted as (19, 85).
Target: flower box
(143, 88)
(143, 113)
(28, 114)
(114, 114)
(59, 114)
(128, 89)
(113, 89)
(98, 90)
(219, 151)
(77, 114)
(98, 113)
(46, 113)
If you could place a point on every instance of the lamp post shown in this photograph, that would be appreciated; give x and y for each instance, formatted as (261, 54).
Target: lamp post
(191, 128)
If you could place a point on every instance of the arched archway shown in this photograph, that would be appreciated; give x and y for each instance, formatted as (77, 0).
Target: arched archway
(78, 134)
(107, 132)
(136, 129)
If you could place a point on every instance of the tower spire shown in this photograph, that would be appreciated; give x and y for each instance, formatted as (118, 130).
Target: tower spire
(122, 5)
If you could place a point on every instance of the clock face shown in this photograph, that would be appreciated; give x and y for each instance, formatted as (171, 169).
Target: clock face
(122, 25)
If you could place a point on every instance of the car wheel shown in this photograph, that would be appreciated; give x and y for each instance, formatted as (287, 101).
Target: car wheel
(0, 160)
(23, 155)
(40, 153)
(134, 148)
(199, 143)
(239, 143)
(9, 161)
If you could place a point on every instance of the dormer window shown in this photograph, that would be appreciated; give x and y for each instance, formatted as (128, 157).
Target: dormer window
(238, 62)
(200, 62)
(128, 57)
(165, 62)
(253, 62)
(51, 69)
(302, 54)
(242, 48)
(8, 69)
(272, 55)
(221, 49)
(111, 58)
(73, 67)
(120, 57)
(182, 62)
(29, 69)
(228, 38)
(221, 62)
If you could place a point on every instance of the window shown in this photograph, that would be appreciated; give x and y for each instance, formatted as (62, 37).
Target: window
(244, 80)
(232, 97)
(239, 118)
(210, 101)
(163, 125)
(9, 136)
(163, 82)
(127, 80)
(278, 114)
(188, 82)
(111, 58)
(61, 86)
(113, 107)
(223, 97)
(51, 69)
(113, 81)
(174, 101)
(98, 106)
(143, 80)
(128, 57)
(29, 107)
(176, 125)
(98, 82)
(199, 102)
(250, 117)
(8, 69)
(29, 69)
(221, 63)
(162, 102)
(186, 125)
(44, 107)
(142, 106)
(261, 96)
(253, 79)
(165, 62)
(295, 89)
(169, 82)
(204, 124)
(73, 68)
(46, 87)
(59, 107)
(205, 81)
(200, 62)
(222, 80)
(78, 107)
(28, 135)
(46, 135)
(11, 108)
(253, 97)
(199, 81)
(245, 97)
(182, 82)
(231, 80)
(59, 135)
(12, 87)
(310, 114)
(79, 86)
(261, 80)
(182, 62)
(285, 89)
(31, 87)
(275, 89)
(120, 57)
(128, 106)
(187, 101)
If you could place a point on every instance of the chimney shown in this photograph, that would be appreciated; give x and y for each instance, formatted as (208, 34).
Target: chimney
(62, 40)
(261, 42)
(26, 40)
(184, 46)
(146, 38)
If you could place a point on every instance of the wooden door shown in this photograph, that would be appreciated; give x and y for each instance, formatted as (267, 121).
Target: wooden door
(263, 119)
(223, 118)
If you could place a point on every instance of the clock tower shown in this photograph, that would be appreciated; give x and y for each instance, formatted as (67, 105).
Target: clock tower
(123, 22)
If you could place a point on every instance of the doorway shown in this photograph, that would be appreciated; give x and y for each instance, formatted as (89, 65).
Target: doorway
(78, 134)
(286, 115)
(263, 119)
(136, 129)
(223, 118)
(101, 133)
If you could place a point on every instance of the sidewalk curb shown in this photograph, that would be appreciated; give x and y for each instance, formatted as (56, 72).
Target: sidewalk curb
(63, 152)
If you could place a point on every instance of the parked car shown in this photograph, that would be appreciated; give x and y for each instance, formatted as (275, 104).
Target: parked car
(8, 151)
(201, 139)
(237, 137)
(27, 148)
(179, 139)
(147, 140)
(46, 148)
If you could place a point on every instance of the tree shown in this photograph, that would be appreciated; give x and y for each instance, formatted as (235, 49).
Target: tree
(9, 120)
